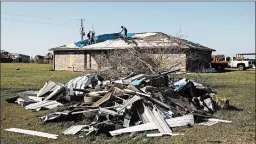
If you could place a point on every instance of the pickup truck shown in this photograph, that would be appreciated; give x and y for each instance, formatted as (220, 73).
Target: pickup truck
(240, 64)
(218, 62)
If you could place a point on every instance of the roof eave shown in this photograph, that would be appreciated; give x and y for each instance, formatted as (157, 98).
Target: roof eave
(102, 48)
(110, 48)
(203, 48)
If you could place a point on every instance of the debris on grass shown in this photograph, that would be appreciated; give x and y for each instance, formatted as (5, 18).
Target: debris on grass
(135, 103)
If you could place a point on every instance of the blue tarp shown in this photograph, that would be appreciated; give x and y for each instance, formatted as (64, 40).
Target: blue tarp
(137, 82)
(180, 84)
(101, 38)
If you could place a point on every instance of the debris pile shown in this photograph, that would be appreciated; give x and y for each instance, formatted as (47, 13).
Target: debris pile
(135, 103)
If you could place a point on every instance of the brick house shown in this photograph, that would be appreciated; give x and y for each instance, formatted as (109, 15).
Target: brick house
(81, 57)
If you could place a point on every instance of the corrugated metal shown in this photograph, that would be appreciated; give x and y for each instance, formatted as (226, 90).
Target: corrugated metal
(74, 129)
(129, 102)
(78, 83)
(55, 92)
(48, 86)
(145, 116)
(173, 122)
(47, 104)
(161, 124)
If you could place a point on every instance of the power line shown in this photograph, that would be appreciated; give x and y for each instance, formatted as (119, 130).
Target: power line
(37, 22)
(38, 16)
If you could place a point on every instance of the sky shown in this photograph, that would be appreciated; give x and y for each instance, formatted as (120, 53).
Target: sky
(33, 28)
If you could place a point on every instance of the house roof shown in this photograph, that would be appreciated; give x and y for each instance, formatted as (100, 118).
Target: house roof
(47, 57)
(3, 51)
(142, 40)
(18, 54)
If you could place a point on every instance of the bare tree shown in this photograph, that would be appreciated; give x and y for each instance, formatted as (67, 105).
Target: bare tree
(157, 53)
(148, 57)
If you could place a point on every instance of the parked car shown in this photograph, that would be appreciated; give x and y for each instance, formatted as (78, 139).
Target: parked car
(240, 64)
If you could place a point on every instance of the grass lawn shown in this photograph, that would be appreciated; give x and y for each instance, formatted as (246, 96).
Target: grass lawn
(238, 85)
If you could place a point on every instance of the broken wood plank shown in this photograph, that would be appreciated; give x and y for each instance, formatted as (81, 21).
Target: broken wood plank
(105, 98)
(219, 120)
(149, 97)
(34, 133)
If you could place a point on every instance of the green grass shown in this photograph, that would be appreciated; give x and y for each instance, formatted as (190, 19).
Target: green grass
(238, 85)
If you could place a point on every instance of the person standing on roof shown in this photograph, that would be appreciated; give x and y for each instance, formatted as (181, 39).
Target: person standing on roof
(89, 37)
(124, 30)
(92, 37)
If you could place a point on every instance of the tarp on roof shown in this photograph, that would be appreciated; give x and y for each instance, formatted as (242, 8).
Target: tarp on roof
(101, 38)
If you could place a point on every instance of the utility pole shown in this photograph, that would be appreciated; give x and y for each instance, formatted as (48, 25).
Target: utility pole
(82, 30)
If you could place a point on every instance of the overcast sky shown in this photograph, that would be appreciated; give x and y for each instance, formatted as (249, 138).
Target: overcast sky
(34, 27)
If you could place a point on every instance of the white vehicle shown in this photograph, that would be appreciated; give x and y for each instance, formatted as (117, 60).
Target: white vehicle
(240, 64)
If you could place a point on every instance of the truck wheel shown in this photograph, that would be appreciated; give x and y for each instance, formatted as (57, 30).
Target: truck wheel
(241, 67)
(219, 68)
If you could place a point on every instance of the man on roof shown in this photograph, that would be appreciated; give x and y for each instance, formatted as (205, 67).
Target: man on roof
(124, 30)
(90, 36)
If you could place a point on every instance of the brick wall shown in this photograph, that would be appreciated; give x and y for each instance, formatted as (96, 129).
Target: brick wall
(169, 60)
(95, 60)
(172, 60)
(65, 60)
(82, 60)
